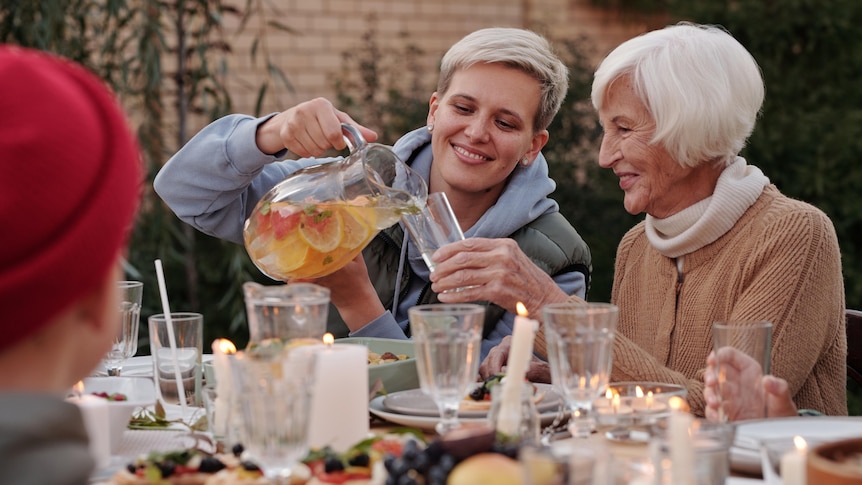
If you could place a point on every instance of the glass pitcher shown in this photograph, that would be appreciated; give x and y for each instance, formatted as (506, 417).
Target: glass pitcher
(296, 311)
(319, 218)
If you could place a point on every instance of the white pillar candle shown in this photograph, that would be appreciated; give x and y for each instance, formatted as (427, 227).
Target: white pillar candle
(792, 465)
(94, 410)
(680, 443)
(520, 353)
(222, 349)
(339, 398)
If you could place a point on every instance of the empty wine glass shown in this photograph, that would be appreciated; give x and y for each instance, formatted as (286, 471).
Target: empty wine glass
(580, 341)
(273, 395)
(448, 339)
(125, 343)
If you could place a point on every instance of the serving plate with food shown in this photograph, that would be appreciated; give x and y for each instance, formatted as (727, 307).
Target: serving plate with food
(391, 363)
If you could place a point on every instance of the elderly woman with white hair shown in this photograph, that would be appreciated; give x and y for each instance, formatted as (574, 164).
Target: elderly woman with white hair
(719, 242)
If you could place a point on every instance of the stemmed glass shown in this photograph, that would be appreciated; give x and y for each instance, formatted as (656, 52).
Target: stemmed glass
(448, 339)
(273, 396)
(580, 348)
(125, 343)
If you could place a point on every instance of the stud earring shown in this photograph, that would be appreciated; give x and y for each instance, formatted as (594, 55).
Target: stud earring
(430, 127)
(525, 161)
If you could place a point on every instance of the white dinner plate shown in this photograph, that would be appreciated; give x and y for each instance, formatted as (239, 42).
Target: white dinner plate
(416, 403)
(140, 366)
(427, 423)
(745, 452)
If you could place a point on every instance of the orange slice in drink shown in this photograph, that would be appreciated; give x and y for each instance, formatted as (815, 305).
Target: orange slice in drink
(321, 228)
(356, 226)
(291, 253)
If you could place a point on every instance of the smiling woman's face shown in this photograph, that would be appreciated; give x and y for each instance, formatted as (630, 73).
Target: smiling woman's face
(483, 126)
(652, 180)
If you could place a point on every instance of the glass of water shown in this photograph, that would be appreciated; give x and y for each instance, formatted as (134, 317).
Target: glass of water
(448, 339)
(580, 339)
(273, 396)
(125, 343)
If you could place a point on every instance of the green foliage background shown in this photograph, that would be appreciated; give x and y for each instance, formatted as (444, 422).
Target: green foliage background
(808, 140)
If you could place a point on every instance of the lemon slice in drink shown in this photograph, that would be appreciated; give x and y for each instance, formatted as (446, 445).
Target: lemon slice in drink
(291, 254)
(321, 230)
(357, 224)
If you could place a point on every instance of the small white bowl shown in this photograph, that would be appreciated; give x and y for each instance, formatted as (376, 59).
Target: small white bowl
(139, 391)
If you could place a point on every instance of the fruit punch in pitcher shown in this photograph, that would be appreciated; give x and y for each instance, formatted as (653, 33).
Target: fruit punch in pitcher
(318, 219)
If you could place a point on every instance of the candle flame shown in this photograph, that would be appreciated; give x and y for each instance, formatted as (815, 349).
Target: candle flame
(677, 403)
(225, 346)
(522, 310)
(78, 388)
(639, 392)
(799, 443)
(649, 399)
(615, 402)
(328, 339)
(609, 394)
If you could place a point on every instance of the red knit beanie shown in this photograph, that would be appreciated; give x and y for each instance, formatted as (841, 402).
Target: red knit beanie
(70, 180)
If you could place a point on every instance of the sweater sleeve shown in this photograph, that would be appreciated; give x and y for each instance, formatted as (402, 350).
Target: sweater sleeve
(214, 181)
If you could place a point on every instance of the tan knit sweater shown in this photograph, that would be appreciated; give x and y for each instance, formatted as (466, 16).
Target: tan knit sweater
(780, 263)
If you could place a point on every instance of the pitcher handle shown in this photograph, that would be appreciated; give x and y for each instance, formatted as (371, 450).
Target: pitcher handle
(350, 131)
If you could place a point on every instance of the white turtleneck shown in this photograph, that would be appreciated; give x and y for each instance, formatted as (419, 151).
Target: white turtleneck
(698, 225)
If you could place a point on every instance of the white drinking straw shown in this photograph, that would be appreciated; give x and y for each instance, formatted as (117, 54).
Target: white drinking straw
(171, 339)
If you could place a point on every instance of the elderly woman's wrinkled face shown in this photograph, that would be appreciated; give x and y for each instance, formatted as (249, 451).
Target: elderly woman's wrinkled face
(652, 180)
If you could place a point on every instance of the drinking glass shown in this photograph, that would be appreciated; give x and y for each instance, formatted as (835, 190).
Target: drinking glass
(448, 339)
(580, 348)
(126, 342)
(432, 227)
(273, 402)
(743, 351)
(185, 359)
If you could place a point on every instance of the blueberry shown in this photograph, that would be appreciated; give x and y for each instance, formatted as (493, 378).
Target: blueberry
(210, 464)
(332, 464)
(132, 468)
(167, 468)
(360, 459)
(237, 449)
(249, 466)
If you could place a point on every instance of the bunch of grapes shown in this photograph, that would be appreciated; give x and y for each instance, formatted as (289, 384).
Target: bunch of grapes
(431, 465)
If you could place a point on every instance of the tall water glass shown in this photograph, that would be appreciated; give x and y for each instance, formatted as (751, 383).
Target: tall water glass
(743, 350)
(448, 339)
(580, 338)
(126, 341)
(184, 359)
(273, 396)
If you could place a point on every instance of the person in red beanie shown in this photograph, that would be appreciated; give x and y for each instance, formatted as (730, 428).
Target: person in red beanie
(70, 178)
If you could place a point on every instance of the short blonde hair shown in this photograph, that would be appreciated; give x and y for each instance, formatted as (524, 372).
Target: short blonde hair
(517, 48)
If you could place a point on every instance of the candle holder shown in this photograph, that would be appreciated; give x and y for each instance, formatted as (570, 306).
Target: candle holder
(628, 410)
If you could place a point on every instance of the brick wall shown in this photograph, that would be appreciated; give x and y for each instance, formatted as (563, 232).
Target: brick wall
(311, 56)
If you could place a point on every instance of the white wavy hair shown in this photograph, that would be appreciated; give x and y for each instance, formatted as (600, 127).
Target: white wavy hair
(702, 87)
